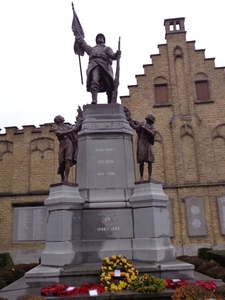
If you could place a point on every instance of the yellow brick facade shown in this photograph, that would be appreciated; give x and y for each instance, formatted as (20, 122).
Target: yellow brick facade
(28, 164)
(189, 146)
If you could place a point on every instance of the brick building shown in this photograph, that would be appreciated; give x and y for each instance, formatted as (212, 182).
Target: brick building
(28, 164)
(185, 92)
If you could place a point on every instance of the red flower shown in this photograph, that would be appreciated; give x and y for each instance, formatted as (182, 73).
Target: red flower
(170, 284)
(210, 285)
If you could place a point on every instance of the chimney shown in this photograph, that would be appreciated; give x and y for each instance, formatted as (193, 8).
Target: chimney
(175, 25)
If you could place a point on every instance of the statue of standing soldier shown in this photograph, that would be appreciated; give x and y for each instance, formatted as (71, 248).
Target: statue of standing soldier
(99, 72)
(146, 135)
(68, 144)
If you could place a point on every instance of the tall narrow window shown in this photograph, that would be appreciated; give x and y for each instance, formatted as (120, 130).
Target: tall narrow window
(202, 90)
(161, 93)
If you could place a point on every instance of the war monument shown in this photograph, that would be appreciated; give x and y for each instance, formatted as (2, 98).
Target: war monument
(106, 211)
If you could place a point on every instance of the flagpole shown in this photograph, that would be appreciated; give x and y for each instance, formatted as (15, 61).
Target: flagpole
(78, 31)
(81, 75)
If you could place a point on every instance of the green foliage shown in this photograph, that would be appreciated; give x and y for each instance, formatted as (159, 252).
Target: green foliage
(6, 260)
(10, 274)
(206, 265)
(218, 256)
(148, 284)
(203, 253)
(194, 260)
(220, 291)
(209, 268)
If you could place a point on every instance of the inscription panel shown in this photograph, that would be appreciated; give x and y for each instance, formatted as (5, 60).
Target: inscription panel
(102, 224)
(221, 209)
(29, 224)
(107, 168)
(195, 216)
(102, 125)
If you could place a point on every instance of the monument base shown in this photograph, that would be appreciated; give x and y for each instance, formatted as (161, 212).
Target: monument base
(76, 275)
(78, 239)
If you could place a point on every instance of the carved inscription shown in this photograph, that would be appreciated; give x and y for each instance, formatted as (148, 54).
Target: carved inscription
(102, 126)
(108, 228)
(105, 161)
(111, 223)
(104, 149)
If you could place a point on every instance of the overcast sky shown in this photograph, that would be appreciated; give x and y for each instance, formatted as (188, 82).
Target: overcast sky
(39, 72)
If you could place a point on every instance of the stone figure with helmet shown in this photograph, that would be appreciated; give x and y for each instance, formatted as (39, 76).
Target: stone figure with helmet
(99, 71)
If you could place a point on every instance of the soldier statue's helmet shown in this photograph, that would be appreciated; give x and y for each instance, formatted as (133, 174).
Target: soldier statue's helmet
(100, 34)
(150, 117)
(58, 119)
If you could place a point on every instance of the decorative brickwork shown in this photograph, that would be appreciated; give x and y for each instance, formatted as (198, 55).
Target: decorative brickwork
(28, 164)
(189, 146)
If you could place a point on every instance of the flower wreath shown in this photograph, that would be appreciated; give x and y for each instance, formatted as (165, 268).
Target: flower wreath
(61, 290)
(117, 273)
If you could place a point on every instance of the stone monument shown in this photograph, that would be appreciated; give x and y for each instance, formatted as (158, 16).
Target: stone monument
(105, 212)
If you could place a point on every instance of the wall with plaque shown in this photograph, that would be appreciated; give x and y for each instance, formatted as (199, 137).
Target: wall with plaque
(221, 209)
(195, 216)
(29, 224)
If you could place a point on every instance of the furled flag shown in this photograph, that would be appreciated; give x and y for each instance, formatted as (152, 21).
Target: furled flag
(77, 31)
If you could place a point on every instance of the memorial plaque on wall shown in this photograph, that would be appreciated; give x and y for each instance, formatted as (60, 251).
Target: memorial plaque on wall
(29, 224)
(221, 209)
(195, 216)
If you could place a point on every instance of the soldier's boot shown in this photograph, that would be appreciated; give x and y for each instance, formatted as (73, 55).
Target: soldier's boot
(94, 97)
(110, 96)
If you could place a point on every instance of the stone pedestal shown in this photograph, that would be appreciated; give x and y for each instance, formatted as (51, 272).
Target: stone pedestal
(109, 214)
(64, 226)
(105, 166)
(151, 223)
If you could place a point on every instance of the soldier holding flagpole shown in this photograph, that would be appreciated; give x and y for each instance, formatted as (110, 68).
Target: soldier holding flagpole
(99, 72)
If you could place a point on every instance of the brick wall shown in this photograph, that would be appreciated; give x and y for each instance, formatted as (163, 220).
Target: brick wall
(28, 164)
(189, 146)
